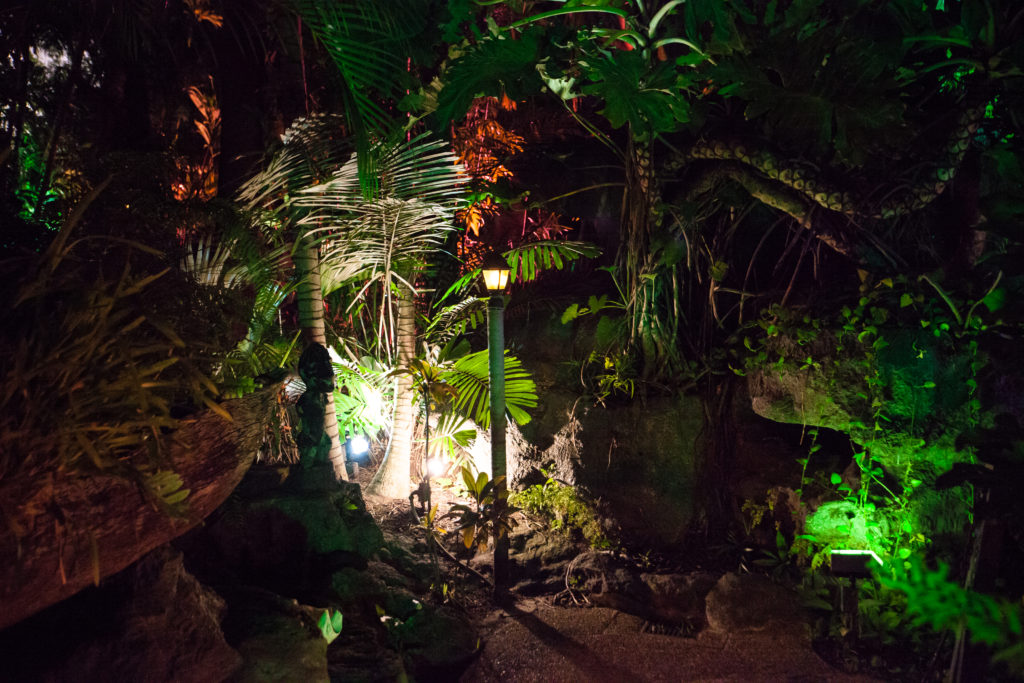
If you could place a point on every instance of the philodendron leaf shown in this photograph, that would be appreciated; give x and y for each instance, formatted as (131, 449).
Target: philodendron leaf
(330, 625)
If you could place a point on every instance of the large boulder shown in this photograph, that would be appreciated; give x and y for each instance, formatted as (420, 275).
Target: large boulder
(638, 457)
(277, 638)
(636, 462)
(904, 398)
(288, 537)
(63, 531)
(538, 558)
(151, 622)
(920, 391)
(438, 643)
(741, 603)
(668, 599)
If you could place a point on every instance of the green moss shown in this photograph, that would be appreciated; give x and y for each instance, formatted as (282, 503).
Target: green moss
(564, 508)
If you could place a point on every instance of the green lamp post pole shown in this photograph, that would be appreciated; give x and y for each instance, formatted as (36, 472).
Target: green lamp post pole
(496, 271)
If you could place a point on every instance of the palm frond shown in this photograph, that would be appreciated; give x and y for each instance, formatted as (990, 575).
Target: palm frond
(362, 42)
(382, 235)
(453, 321)
(529, 260)
(452, 433)
(313, 148)
(335, 273)
(471, 378)
(268, 299)
(206, 261)
(407, 221)
(422, 168)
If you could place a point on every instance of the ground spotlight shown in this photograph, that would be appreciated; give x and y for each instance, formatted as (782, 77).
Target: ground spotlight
(357, 447)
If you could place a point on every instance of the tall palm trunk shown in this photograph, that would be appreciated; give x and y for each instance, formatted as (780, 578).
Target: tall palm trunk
(392, 479)
(311, 320)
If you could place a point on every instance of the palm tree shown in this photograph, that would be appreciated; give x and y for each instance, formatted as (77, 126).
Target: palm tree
(313, 148)
(362, 40)
(386, 239)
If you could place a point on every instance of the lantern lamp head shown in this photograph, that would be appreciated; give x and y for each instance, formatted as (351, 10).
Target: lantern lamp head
(495, 270)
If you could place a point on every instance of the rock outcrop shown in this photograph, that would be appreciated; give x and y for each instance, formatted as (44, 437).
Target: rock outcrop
(76, 531)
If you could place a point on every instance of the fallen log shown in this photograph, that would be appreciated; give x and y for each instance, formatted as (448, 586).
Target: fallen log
(87, 528)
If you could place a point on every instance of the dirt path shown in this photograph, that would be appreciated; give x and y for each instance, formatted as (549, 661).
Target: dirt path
(537, 642)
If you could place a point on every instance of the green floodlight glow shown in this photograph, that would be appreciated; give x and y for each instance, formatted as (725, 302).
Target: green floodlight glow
(854, 562)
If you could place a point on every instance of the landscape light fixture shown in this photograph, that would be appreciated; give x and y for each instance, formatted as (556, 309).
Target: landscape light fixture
(496, 271)
(357, 446)
(854, 563)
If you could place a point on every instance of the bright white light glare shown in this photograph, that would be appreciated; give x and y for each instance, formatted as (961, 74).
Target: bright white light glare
(436, 467)
(358, 445)
(864, 553)
(374, 404)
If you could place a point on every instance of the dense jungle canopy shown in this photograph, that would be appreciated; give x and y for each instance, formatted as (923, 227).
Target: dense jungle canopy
(799, 199)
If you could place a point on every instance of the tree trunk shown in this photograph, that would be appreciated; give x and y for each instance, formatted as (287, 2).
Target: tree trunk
(649, 338)
(311, 320)
(63, 107)
(87, 528)
(393, 478)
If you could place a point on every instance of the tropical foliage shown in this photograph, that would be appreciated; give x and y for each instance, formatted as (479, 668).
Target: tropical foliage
(696, 82)
(98, 366)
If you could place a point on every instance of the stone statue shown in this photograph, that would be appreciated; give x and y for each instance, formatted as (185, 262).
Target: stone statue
(318, 375)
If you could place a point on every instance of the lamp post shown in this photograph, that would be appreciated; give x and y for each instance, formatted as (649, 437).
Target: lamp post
(496, 271)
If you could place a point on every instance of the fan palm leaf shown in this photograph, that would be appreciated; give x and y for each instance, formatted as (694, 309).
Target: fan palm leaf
(471, 378)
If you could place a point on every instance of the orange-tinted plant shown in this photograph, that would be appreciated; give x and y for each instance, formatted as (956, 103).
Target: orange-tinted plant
(199, 179)
(484, 145)
(203, 12)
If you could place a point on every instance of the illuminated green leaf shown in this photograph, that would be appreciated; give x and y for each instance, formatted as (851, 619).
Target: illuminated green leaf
(330, 625)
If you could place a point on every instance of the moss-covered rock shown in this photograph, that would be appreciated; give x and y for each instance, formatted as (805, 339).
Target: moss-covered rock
(278, 647)
(906, 401)
(287, 538)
